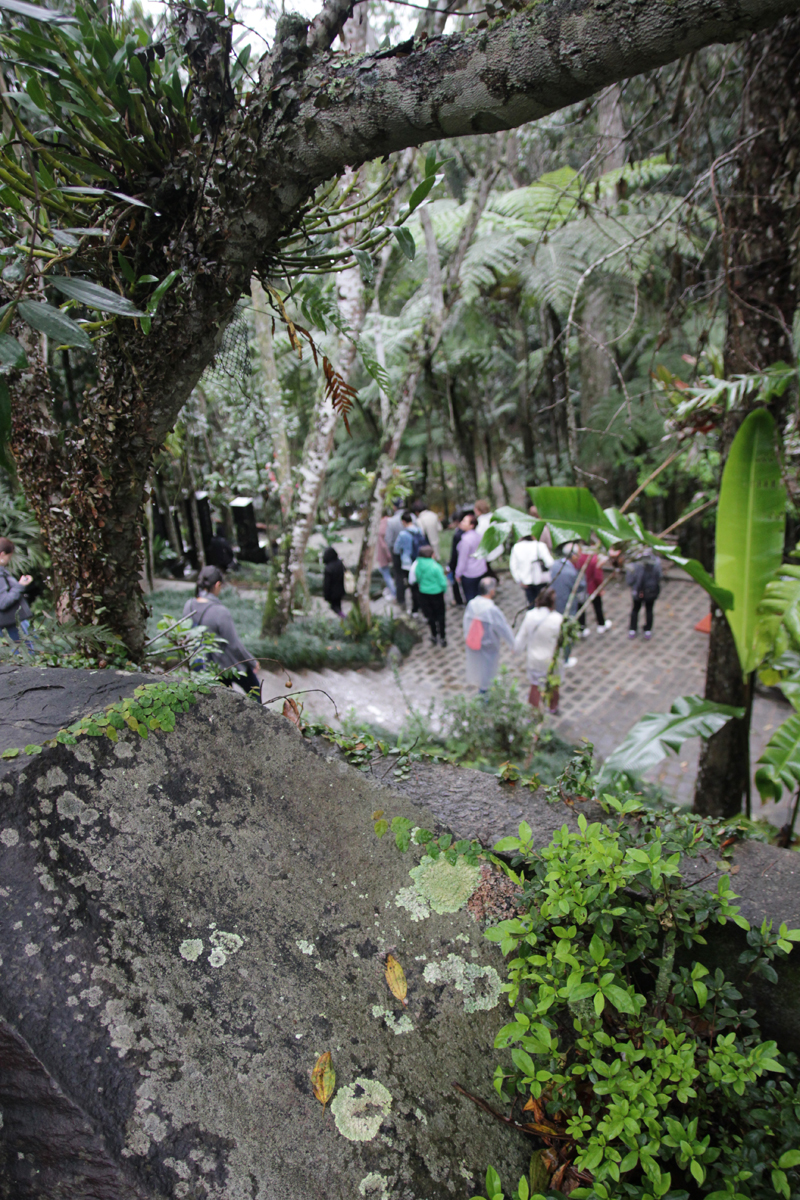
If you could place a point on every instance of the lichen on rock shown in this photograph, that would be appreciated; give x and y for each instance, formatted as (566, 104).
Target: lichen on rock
(415, 905)
(191, 949)
(445, 887)
(402, 1024)
(359, 1109)
(465, 976)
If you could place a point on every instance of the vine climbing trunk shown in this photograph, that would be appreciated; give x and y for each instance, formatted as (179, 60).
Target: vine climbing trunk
(760, 234)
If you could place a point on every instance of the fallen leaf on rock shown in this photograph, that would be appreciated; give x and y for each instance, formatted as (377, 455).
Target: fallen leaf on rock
(323, 1078)
(539, 1174)
(396, 979)
(291, 711)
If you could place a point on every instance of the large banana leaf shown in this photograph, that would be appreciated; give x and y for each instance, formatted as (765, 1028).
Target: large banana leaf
(574, 514)
(656, 733)
(779, 614)
(781, 759)
(750, 528)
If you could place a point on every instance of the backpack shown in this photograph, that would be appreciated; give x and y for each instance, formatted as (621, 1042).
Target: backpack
(649, 587)
(418, 539)
(475, 635)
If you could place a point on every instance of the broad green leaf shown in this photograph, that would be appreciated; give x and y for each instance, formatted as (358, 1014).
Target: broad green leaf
(622, 1000)
(781, 759)
(54, 323)
(780, 606)
(93, 191)
(750, 527)
(790, 1159)
(656, 733)
(11, 353)
(95, 296)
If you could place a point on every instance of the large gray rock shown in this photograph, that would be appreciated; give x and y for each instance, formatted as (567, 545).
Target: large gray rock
(186, 923)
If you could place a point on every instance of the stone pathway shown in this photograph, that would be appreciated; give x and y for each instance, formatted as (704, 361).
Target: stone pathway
(615, 682)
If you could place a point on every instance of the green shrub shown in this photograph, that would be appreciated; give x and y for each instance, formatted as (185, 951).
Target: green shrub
(644, 1074)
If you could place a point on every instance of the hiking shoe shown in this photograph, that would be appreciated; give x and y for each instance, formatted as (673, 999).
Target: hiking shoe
(585, 633)
(571, 661)
(603, 628)
(443, 641)
(648, 634)
(631, 633)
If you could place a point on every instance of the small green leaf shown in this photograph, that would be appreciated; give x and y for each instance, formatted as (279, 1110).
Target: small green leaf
(56, 324)
(366, 265)
(381, 827)
(405, 241)
(421, 192)
(10, 753)
(790, 1159)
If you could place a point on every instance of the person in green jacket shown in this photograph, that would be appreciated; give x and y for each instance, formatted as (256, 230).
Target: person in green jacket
(432, 584)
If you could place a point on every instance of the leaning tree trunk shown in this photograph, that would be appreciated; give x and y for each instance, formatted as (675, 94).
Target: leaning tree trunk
(760, 245)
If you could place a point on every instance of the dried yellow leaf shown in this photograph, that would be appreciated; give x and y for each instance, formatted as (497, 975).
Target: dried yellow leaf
(323, 1078)
(396, 978)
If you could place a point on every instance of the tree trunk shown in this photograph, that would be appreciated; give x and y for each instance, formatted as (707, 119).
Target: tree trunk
(262, 321)
(760, 244)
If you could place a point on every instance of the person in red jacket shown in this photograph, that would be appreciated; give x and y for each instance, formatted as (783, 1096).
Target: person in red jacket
(594, 581)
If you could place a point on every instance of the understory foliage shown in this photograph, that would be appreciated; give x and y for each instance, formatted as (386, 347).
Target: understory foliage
(642, 1072)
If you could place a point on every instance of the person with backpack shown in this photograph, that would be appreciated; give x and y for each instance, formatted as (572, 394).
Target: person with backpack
(485, 627)
(407, 545)
(538, 637)
(207, 610)
(431, 580)
(644, 580)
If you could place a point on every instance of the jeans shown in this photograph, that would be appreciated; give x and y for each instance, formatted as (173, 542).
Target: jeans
(531, 592)
(388, 579)
(13, 633)
(648, 613)
(399, 579)
(470, 587)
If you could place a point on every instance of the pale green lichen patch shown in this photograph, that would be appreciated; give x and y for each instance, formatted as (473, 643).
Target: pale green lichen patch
(397, 1025)
(415, 905)
(191, 949)
(305, 947)
(481, 986)
(359, 1109)
(374, 1187)
(446, 888)
(9, 837)
(229, 943)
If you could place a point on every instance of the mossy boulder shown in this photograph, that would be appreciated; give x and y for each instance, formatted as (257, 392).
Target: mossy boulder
(186, 923)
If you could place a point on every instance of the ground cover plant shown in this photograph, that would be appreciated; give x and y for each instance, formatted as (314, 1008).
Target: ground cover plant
(637, 1071)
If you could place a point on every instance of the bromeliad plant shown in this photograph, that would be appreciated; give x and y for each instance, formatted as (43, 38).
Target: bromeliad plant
(641, 1072)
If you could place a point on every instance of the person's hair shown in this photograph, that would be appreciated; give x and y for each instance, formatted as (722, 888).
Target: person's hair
(408, 517)
(208, 578)
(487, 585)
(329, 554)
(546, 598)
(472, 518)
(425, 552)
(419, 506)
(6, 546)
(482, 507)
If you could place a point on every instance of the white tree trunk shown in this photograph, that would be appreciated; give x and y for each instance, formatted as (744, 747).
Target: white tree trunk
(275, 409)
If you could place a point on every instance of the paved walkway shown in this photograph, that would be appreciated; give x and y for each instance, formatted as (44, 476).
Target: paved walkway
(615, 682)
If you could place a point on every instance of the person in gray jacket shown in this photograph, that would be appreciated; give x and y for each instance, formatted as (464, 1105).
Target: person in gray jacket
(13, 604)
(207, 610)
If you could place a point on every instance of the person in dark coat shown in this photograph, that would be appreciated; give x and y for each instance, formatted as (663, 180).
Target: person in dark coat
(333, 581)
(220, 551)
(13, 605)
(644, 580)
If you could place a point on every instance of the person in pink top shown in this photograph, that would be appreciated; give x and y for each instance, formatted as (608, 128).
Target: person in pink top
(594, 581)
(469, 568)
(383, 558)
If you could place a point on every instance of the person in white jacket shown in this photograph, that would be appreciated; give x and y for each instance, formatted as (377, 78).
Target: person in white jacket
(538, 638)
(530, 564)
